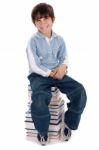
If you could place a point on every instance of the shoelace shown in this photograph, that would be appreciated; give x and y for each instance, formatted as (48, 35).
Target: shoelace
(69, 133)
(42, 139)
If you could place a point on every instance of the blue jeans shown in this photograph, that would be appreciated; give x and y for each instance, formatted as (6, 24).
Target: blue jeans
(41, 89)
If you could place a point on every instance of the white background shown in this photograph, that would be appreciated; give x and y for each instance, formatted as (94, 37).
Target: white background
(78, 22)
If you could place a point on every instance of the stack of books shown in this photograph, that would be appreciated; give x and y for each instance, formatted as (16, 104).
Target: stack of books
(56, 108)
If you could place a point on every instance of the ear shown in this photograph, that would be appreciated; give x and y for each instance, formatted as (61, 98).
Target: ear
(53, 19)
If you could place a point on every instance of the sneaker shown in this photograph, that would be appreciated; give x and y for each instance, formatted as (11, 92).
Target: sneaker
(65, 133)
(43, 140)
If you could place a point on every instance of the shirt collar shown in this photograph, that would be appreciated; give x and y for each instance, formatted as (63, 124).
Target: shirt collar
(40, 35)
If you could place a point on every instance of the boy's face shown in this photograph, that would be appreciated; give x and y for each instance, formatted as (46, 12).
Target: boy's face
(44, 25)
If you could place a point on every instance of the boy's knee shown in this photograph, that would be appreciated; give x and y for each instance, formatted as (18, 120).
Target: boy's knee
(83, 96)
(80, 98)
(38, 105)
(39, 108)
(40, 101)
(81, 89)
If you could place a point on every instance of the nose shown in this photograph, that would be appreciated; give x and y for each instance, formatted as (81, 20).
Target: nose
(42, 21)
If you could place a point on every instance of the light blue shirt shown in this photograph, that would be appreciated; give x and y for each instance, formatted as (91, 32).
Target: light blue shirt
(46, 54)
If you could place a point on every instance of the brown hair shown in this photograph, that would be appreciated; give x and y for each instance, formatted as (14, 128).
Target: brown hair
(42, 10)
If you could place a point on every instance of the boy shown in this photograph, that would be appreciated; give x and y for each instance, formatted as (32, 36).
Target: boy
(47, 57)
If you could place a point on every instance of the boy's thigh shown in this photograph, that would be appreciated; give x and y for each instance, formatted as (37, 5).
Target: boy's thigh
(68, 83)
(38, 83)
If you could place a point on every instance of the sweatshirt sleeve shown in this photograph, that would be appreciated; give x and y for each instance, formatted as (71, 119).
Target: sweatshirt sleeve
(34, 62)
(62, 54)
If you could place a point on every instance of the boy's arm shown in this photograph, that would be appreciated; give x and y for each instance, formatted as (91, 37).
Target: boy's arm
(62, 54)
(33, 65)
(63, 62)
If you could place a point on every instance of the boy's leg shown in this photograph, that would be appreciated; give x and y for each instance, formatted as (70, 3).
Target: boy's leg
(77, 96)
(41, 95)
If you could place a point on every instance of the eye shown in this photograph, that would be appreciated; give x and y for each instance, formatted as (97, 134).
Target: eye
(46, 17)
(38, 20)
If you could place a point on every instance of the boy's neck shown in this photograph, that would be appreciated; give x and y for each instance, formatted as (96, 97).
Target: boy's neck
(48, 35)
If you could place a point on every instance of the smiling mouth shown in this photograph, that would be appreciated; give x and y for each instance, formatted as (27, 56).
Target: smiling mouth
(44, 28)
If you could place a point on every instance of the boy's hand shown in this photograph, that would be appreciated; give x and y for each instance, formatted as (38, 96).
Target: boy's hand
(52, 74)
(60, 72)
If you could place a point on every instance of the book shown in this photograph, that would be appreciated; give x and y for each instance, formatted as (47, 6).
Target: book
(53, 116)
(35, 135)
(52, 126)
(33, 131)
(51, 139)
(52, 120)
